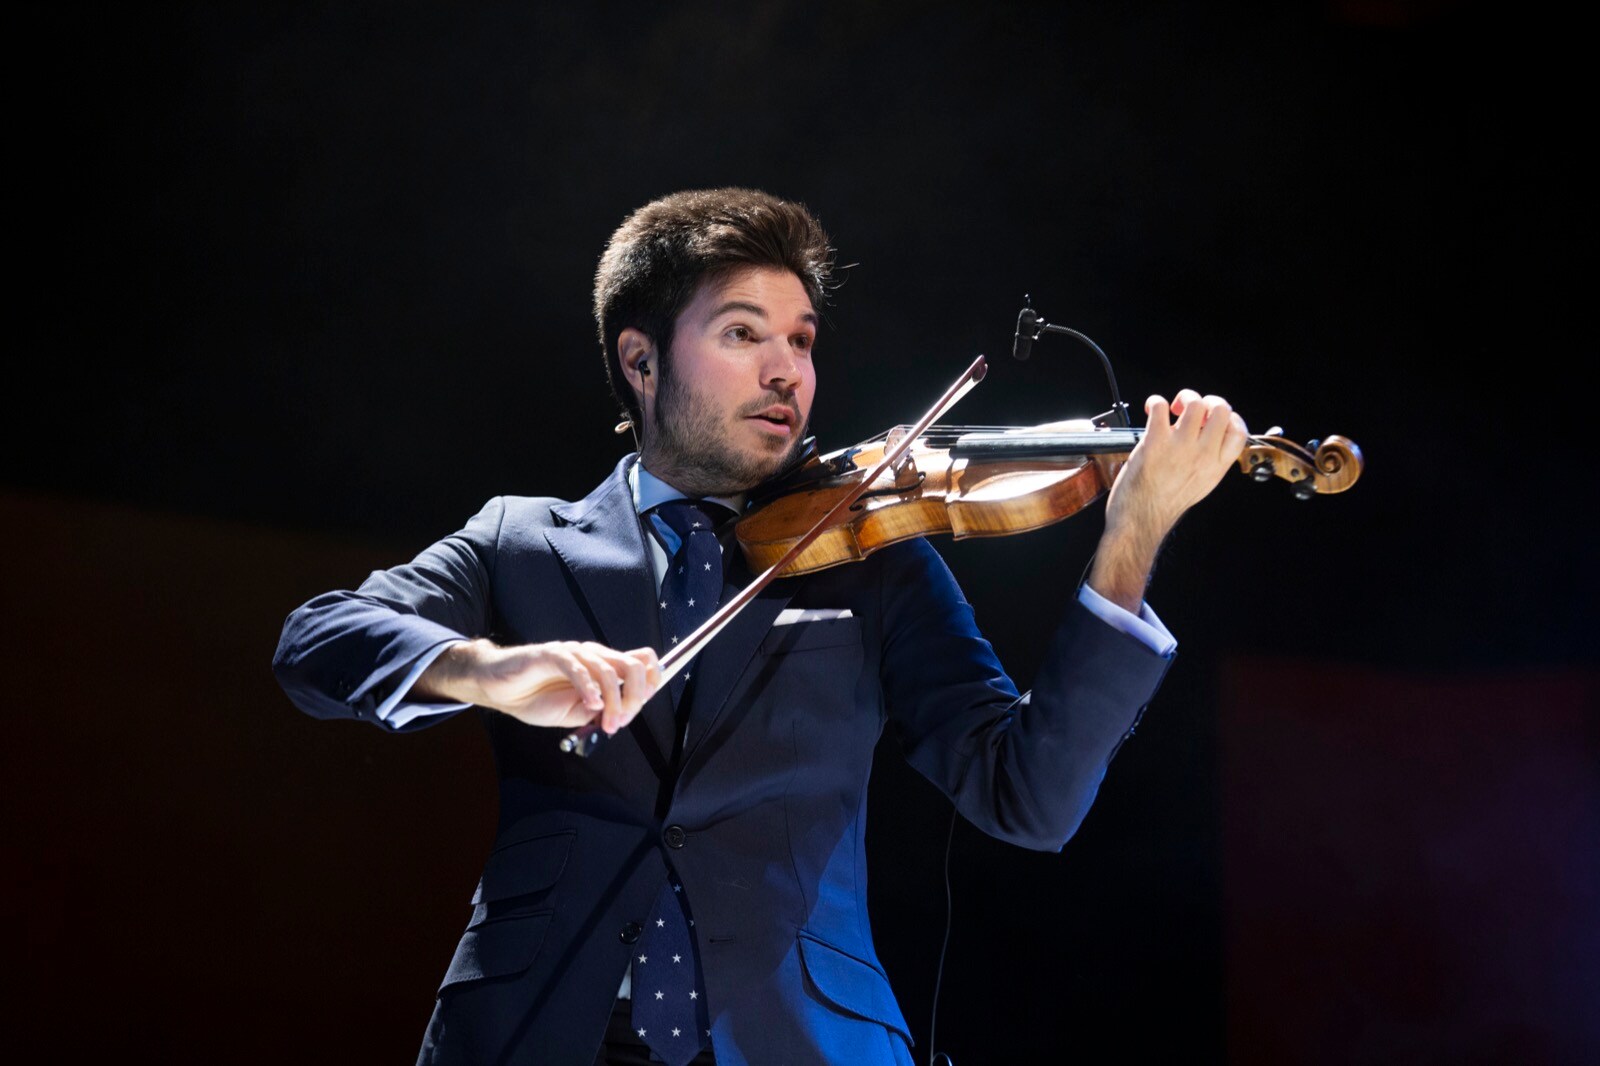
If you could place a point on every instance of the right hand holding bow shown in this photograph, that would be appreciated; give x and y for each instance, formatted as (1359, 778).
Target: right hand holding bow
(563, 683)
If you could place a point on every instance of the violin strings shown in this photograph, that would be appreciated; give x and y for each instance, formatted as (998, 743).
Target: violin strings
(937, 431)
(941, 433)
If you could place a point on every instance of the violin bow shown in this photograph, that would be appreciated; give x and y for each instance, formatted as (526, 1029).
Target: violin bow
(582, 740)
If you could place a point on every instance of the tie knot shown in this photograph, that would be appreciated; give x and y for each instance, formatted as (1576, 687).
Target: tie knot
(684, 517)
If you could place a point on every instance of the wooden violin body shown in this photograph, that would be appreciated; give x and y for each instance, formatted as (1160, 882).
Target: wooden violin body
(992, 482)
(989, 483)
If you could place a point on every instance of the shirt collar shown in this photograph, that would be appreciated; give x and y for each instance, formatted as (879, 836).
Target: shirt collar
(650, 491)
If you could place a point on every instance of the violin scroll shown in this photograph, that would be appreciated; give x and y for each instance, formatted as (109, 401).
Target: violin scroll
(1316, 468)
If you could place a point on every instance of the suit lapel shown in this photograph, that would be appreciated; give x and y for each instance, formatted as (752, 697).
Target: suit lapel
(724, 659)
(601, 544)
(602, 547)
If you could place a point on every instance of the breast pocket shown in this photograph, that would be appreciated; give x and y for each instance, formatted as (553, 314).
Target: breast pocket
(805, 636)
(814, 664)
(812, 680)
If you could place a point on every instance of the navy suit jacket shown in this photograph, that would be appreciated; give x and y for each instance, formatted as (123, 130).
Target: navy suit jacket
(763, 816)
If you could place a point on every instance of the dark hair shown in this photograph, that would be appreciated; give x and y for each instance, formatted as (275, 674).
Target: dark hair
(661, 254)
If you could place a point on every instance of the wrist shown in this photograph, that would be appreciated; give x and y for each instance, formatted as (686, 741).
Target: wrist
(1122, 565)
(454, 675)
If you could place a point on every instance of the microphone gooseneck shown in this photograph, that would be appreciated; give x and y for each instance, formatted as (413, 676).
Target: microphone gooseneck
(1030, 327)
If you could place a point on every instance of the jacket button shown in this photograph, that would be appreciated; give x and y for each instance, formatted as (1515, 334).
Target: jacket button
(674, 836)
(630, 933)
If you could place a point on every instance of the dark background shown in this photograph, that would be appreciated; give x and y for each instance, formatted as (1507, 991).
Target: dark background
(298, 288)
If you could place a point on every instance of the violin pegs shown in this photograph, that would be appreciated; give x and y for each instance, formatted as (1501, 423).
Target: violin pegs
(1304, 490)
(1261, 468)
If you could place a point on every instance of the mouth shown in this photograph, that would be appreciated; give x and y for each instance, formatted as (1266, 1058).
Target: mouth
(776, 419)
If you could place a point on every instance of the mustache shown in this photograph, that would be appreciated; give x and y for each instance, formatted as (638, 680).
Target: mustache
(772, 399)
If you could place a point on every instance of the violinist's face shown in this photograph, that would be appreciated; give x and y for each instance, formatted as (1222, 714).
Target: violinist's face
(732, 406)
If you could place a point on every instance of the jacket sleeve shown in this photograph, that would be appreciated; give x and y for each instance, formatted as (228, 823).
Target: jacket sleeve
(1022, 768)
(342, 653)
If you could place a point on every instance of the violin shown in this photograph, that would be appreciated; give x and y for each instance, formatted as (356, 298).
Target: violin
(987, 481)
(912, 481)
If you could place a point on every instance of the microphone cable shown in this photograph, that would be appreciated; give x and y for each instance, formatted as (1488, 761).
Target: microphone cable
(939, 1058)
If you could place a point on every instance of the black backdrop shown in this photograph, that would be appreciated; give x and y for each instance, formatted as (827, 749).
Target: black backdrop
(303, 286)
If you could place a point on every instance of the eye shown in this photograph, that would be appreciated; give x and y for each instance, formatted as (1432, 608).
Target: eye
(738, 333)
(803, 341)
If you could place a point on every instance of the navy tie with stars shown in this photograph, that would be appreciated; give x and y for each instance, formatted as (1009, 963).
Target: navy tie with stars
(692, 587)
(669, 1000)
(669, 1003)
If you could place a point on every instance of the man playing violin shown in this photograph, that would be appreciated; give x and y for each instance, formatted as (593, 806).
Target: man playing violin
(694, 890)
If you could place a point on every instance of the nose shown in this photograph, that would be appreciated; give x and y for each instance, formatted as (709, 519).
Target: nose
(782, 368)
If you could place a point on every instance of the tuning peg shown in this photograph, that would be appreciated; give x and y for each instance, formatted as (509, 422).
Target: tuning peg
(1261, 468)
(1304, 490)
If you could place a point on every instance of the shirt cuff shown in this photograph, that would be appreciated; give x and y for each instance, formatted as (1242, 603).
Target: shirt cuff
(391, 712)
(1144, 627)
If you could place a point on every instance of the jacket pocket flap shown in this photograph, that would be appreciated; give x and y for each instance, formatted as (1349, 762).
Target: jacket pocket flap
(822, 633)
(851, 985)
(523, 867)
(497, 948)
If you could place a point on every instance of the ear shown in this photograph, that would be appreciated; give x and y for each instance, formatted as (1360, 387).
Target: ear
(633, 348)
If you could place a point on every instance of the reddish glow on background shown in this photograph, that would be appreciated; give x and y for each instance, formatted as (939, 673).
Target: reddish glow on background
(1411, 865)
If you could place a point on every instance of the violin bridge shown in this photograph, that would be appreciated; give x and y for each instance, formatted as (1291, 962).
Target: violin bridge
(905, 470)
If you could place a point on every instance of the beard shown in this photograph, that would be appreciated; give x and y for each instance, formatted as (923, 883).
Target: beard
(692, 448)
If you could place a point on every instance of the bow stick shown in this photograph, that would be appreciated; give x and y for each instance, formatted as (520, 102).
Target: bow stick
(582, 740)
